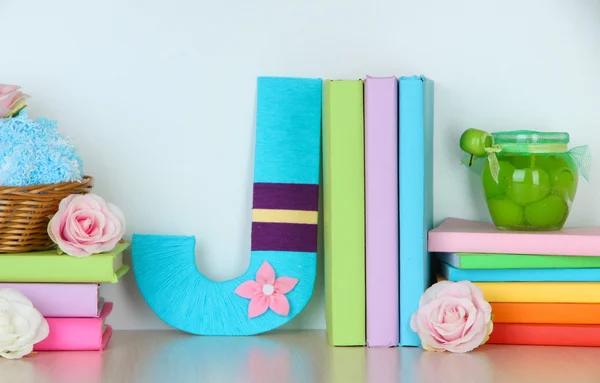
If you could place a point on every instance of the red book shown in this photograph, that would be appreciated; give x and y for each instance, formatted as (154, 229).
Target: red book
(546, 334)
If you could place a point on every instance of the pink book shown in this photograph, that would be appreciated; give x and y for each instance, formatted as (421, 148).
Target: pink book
(381, 210)
(77, 334)
(58, 300)
(456, 235)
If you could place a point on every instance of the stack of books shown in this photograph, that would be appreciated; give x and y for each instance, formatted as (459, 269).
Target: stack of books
(66, 291)
(544, 287)
(378, 199)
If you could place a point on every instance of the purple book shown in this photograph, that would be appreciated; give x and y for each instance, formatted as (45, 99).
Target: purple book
(62, 300)
(381, 195)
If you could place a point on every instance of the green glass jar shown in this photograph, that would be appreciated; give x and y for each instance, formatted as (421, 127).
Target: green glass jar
(529, 178)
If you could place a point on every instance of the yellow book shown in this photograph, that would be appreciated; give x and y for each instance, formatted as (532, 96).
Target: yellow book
(554, 292)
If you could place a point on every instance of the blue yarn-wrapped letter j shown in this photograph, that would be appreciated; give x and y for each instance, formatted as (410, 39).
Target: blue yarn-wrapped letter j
(284, 225)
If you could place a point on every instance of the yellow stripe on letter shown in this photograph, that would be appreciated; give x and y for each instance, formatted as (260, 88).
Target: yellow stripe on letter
(285, 216)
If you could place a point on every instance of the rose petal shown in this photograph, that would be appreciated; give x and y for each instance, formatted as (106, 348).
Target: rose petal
(7, 99)
(20, 325)
(284, 285)
(17, 354)
(428, 339)
(70, 233)
(56, 227)
(89, 201)
(248, 289)
(118, 213)
(432, 292)
(426, 321)
(74, 229)
(280, 304)
(112, 227)
(489, 330)
(12, 295)
(42, 332)
(259, 304)
(18, 97)
(455, 290)
(467, 346)
(265, 274)
(90, 224)
(7, 88)
(65, 202)
(25, 321)
(473, 335)
(478, 299)
(450, 331)
(428, 347)
(6, 339)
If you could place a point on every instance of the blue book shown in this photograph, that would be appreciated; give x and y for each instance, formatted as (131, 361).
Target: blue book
(415, 196)
(452, 273)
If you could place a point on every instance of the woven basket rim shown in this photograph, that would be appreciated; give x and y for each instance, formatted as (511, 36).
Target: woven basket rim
(87, 179)
(26, 210)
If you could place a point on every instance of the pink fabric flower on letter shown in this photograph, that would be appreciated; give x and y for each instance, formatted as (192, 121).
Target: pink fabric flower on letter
(452, 316)
(86, 224)
(267, 292)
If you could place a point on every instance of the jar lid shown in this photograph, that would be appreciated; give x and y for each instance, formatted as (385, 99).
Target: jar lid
(530, 137)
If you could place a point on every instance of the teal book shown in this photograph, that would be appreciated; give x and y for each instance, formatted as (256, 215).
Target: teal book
(454, 274)
(415, 196)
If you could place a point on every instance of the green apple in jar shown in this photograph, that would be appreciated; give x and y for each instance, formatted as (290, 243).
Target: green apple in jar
(492, 188)
(528, 185)
(505, 213)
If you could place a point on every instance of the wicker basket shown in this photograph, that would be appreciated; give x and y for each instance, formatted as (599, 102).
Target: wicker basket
(25, 212)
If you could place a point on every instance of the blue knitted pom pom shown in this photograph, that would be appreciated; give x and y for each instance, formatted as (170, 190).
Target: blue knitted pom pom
(33, 152)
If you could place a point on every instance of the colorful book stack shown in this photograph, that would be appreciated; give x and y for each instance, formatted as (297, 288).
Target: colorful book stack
(378, 197)
(65, 290)
(544, 287)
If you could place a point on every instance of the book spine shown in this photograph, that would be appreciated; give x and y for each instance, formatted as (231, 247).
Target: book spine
(521, 275)
(545, 335)
(541, 292)
(57, 269)
(517, 261)
(75, 334)
(60, 299)
(515, 243)
(381, 210)
(551, 313)
(344, 212)
(416, 196)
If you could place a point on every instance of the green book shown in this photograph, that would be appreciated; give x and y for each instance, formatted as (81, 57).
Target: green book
(517, 261)
(344, 212)
(50, 266)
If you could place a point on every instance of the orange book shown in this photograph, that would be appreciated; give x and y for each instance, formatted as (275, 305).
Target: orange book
(546, 334)
(551, 313)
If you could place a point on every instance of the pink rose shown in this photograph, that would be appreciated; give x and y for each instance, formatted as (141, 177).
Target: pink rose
(452, 316)
(86, 224)
(11, 99)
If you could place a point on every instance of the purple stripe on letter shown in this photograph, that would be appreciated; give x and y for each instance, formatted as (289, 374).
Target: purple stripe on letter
(286, 196)
(284, 237)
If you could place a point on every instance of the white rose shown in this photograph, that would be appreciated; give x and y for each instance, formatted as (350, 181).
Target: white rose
(21, 325)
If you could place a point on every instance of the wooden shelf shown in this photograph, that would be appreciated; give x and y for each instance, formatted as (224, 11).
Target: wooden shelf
(294, 356)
